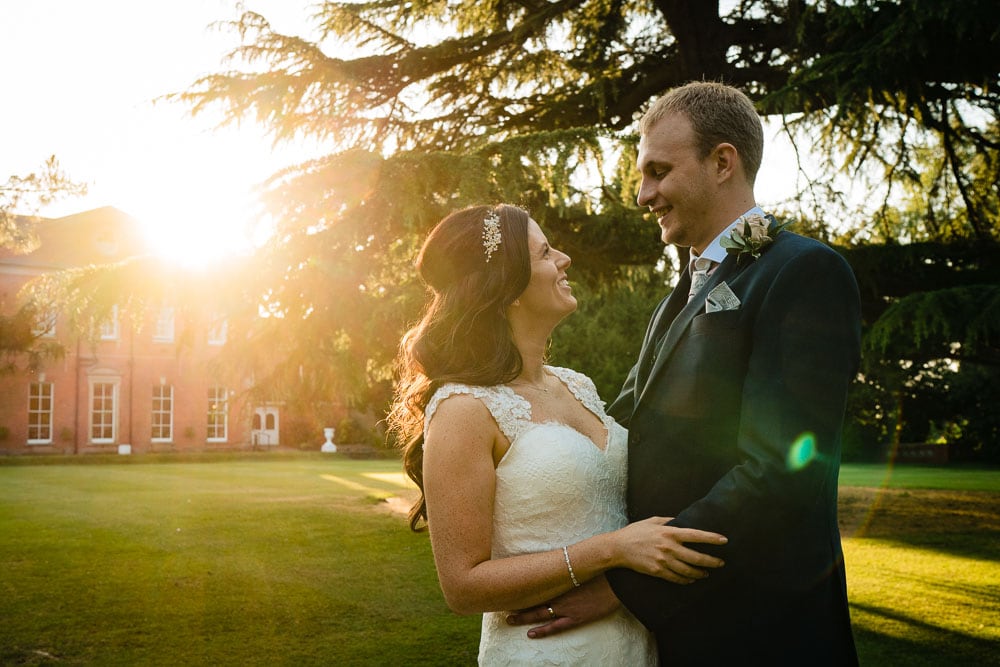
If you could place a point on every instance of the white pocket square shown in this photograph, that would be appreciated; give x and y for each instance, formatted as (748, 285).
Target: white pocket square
(721, 298)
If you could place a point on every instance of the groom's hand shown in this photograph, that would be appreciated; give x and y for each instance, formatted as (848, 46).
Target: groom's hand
(579, 606)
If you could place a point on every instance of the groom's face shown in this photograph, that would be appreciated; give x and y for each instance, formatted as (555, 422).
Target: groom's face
(677, 183)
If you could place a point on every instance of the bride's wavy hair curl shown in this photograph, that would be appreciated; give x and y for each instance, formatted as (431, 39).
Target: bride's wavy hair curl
(463, 335)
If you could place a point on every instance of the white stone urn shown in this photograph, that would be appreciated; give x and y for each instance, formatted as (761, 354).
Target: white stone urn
(328, 446)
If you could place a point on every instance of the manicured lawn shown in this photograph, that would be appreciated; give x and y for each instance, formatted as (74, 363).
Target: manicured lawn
(239, 562)
(925, 605)
(921, 546)
(955, 477)
(294, 560)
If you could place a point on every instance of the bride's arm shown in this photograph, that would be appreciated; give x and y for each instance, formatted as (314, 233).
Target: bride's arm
(459, 481)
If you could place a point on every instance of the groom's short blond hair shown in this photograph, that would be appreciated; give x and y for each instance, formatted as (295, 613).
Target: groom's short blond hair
(718, 114)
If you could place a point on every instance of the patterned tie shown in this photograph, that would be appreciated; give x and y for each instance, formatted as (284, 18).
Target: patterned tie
(699, 267)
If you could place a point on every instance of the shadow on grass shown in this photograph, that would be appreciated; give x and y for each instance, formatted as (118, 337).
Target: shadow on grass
(926, 644)
(978, 546)
(959, 523)
(16, 655)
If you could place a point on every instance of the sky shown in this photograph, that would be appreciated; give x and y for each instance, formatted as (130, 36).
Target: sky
(80, 81)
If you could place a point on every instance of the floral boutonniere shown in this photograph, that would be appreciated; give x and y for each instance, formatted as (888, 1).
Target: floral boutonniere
(753, 233)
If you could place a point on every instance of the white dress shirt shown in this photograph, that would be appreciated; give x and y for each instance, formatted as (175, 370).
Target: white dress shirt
(702, 266)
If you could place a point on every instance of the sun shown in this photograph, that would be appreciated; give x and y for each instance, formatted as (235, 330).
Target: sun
(199, 224)
(87, 98)
(196, 199)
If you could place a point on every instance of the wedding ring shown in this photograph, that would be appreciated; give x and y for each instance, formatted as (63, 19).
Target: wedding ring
(552, 613)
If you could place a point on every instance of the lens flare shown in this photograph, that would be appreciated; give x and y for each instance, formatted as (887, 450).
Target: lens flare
(802, 452)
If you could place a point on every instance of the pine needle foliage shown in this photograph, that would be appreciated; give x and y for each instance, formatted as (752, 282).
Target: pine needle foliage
(958, 323)
(417, 108)
(21, 197)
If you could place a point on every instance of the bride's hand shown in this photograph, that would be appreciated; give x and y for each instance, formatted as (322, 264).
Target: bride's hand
(656, 549)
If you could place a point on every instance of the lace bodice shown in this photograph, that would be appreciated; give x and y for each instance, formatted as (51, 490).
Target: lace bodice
(554, 487)
(511, 410)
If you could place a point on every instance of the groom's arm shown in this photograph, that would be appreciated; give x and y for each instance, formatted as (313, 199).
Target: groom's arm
(804, 356)
(579, 606)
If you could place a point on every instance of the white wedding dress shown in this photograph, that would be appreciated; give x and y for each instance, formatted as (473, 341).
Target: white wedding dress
(555, 487)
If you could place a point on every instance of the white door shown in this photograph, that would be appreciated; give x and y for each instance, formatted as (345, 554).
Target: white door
(265, 427)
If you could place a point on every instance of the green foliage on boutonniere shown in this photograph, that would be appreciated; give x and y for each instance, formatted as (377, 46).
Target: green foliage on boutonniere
(753, 233)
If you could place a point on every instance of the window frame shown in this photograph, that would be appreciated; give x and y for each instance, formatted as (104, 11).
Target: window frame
(50, 413)
(217, 332)
(108, 329)
(164, 329)
(156, 408)
(91, 411)
(217, 395)
(45, 325)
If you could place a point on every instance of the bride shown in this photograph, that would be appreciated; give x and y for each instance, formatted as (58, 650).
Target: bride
(522, 473)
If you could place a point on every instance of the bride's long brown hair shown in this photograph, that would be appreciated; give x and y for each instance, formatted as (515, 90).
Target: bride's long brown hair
(463, 335)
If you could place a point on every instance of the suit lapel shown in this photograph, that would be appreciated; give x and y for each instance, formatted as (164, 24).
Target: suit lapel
(679, 326)
(658, 328)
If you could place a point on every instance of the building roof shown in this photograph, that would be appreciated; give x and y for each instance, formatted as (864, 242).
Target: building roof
(99, 236)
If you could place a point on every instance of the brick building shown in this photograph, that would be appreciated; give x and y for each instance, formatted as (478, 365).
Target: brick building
(123, 386)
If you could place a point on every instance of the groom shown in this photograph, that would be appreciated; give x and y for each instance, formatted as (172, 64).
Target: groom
(734, 408)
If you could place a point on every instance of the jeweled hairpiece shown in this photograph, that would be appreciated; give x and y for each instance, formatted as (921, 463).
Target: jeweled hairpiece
(491, 234)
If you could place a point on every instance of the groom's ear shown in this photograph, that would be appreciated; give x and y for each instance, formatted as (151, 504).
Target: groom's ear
(725, 162)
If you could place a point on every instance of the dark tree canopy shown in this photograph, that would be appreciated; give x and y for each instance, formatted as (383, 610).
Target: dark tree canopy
(865, 78)
(427, 106)
(440, 104)
(420, 107)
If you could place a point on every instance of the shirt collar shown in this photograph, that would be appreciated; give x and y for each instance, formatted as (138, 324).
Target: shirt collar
(714, 251)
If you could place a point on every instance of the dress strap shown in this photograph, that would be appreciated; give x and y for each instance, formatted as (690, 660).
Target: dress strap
(583, 388)
(511, 412)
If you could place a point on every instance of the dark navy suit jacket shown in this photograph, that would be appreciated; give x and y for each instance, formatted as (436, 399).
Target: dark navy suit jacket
(735, 421)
